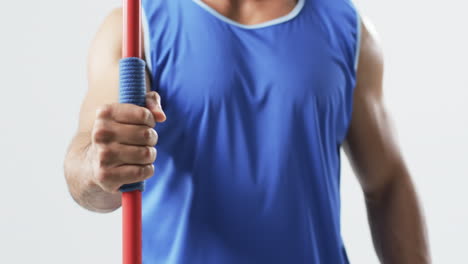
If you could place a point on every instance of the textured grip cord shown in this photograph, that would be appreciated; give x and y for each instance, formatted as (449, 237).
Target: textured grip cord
(132, 90)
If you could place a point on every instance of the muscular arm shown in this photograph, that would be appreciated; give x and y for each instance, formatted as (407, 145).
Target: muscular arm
(80, 161)
(394, 214)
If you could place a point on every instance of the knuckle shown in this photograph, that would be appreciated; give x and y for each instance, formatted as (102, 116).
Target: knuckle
(150, 169)
(146, 171)
(104, 111)
(145, 114)
(157, 97)
(105, 154)
(141, 172)
(147, 153)
(103, 176)
(154, 96)
(106, 180)
(102, 133)
(147, 135)
(150, 136)
(109, 188)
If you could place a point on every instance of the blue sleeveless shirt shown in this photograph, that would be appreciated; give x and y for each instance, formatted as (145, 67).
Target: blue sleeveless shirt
(248, 167)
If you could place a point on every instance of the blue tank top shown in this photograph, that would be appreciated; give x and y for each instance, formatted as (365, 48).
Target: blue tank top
(248, 167)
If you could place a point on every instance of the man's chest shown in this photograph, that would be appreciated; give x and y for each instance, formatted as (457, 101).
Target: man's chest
(220, 66)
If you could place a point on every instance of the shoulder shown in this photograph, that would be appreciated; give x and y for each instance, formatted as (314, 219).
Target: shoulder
(370, 65)
(107, 43)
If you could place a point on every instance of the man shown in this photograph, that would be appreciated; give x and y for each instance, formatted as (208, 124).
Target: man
(259, 98)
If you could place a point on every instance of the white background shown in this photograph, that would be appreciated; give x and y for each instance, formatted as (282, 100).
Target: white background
(43, 80)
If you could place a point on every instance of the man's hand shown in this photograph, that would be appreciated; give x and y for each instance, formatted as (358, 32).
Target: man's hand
(122, 147)
(114, 144)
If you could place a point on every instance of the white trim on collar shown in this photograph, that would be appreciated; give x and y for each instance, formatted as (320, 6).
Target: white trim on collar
(296, 10)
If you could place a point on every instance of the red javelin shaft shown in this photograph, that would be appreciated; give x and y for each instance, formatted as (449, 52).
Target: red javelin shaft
(131, 201)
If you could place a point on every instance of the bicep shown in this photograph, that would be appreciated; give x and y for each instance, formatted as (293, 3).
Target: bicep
(370, 143)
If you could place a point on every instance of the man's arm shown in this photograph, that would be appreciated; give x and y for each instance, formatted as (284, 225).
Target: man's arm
(395, 217)
(115, 142)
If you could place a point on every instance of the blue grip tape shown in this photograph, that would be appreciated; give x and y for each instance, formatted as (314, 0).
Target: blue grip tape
(132, 90)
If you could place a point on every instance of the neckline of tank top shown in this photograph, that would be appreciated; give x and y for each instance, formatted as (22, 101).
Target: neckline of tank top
(279, 20)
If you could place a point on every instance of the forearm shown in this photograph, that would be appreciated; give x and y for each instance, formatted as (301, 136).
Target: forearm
(397, 224)
(78, 173)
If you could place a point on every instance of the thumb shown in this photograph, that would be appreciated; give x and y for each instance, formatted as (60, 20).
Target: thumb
(153, 103)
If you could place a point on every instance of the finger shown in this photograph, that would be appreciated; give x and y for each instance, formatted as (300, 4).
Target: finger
(103, 131)
(112, 179)
(134, 173)
(153, 103)
(139, 155)
(126, 114)
(114, 155)
(107, 131)
(135, 135)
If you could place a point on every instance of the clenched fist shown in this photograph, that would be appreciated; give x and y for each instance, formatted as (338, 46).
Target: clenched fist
(123, 143)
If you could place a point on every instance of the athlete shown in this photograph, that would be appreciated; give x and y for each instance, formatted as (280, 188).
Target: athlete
(252, 101)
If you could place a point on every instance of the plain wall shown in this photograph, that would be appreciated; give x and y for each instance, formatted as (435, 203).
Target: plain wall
(43, 53)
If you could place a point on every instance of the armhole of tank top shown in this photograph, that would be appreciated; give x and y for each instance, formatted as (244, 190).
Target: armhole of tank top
(358, 41)
(146, 40)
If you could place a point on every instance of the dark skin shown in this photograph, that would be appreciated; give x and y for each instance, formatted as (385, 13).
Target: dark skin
(114, 144)
(394, 214)
(102, 154)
